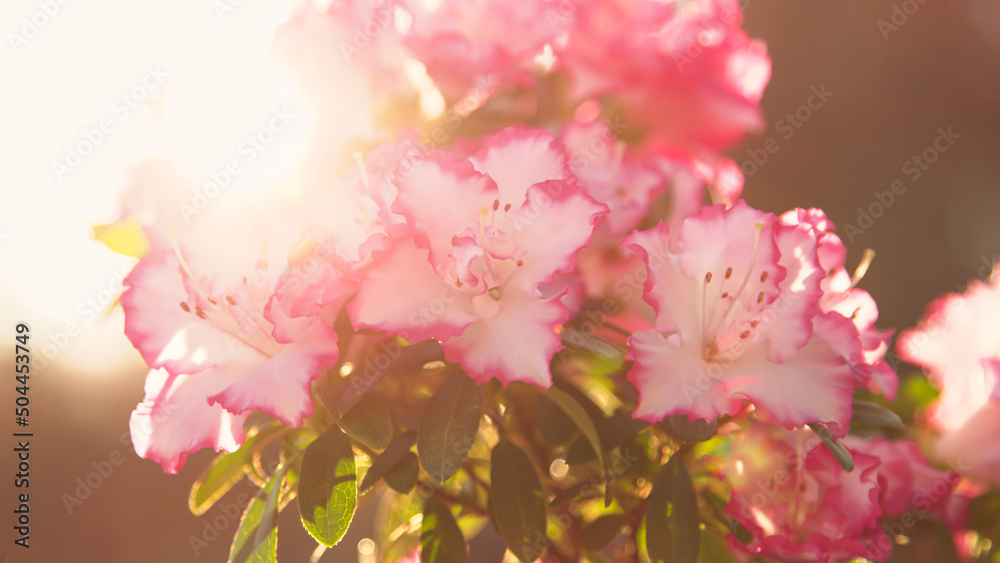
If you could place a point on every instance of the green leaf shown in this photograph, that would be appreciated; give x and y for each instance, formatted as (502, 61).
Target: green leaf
(602, 530)
(697, 430)
(579, 417)
(714, 549)
(839, 451)
(609, 356)
(517, 502)
(672, 531)
(441, 541)
(368, 421)
(388, 459)
(613, 432)
(227, 469)
(555, 426)
(403, 476)
(256, 539)
(450, 426)
(571, 492)
(400, 360)
(328, 487)
(874, 413)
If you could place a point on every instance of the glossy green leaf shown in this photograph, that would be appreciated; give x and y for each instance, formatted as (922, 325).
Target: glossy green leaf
(609, 356)
(843, 456)
(696, 430)
(672, 531)
(396, 358)
(578, 415)
(227, 469)
(388, 459)
(328, 487)
(874, 413)
(368, 422)
(602, 530)
(517, 503)
(572, 492)
(441, 540)
(450, 426)
(555, 426)
(613, 432)
(714, 549)
(256, 539)
(403, 476)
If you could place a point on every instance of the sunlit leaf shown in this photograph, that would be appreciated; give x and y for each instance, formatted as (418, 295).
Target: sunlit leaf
(256, 539)
(450, 426)
(227, 469)
(368, 421)
(124, 237)
(328, 487)
(517, 503)
(441, 541)
(672, 532)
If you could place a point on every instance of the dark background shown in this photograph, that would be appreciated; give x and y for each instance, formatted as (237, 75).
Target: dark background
(890, 95)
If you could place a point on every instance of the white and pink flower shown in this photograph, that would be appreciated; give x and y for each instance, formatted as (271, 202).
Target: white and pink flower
(475, 263)
(796, 500)
(203, 316)
(739, 317)
(683, 71)
(958, 343)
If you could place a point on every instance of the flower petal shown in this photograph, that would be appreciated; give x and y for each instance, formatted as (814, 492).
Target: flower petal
(401, 293)
(515, 345)
(555, 222)
(175, 418)
(672, 380)
(815, 385)
(439, 196)
(518, 158)
(280, 386)
(164, 334)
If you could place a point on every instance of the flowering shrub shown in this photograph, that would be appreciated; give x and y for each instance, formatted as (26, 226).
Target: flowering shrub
(546, 310)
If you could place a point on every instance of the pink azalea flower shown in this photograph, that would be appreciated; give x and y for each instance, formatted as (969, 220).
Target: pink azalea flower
(612, 174)
(462, 41)
(483, 238)
(958, 342)
(158, 194)
(202, 316)
(796, 500)
(972, 447)
(738, 318)
(684, 70)
(908, 481)
(348, 42)
(840, 295)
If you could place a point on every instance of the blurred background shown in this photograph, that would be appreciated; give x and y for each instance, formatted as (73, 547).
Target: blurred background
(894, 77)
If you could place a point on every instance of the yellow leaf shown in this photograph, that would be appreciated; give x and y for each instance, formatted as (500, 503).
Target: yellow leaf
(124, 237)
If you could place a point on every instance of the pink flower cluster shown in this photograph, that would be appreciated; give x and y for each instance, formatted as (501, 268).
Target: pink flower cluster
(499, 244)
(957, 343)
(798, 503)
